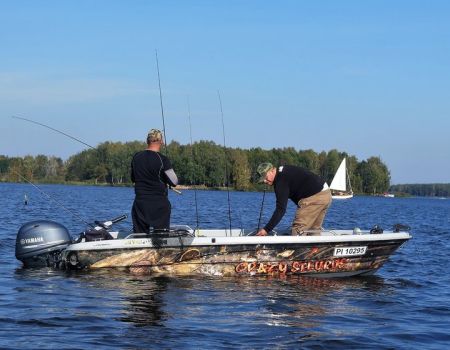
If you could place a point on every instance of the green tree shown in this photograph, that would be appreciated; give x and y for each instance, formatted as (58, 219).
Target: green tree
(240, 170)
(310, 160)
(375, 175)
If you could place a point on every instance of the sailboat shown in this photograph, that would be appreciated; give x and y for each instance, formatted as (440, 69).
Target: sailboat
(338, 186)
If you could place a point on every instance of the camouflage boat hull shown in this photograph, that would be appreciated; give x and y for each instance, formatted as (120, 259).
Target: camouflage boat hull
(335, 254)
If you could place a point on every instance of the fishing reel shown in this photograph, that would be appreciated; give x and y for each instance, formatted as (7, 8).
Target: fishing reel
(99, 231)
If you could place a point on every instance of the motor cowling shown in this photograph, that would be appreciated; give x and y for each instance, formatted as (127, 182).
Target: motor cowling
(39, 243)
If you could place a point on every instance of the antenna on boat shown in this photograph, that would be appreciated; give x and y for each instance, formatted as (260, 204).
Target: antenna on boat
(226, 167)
(72, 212)
(192, 157)
(261, 210)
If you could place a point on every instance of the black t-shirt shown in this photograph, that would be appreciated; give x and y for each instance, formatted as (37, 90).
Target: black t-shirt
(295, 183)
(148, 173)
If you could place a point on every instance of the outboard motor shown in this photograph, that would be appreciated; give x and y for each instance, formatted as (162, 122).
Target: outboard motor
(39, 243)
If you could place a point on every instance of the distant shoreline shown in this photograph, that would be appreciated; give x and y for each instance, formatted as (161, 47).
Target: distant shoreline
(206, 188)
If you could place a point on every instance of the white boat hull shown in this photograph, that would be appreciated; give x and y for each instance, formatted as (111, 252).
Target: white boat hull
(342, 196)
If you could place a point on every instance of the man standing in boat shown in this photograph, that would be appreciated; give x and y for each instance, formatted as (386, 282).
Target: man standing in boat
(152, 173)
(306, 189)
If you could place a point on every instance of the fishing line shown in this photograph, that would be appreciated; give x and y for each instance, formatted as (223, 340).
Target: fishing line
(192, 158)
(72, 212)
(41, 191)
(226, 167)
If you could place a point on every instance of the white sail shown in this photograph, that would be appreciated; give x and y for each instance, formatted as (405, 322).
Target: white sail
(339, 182)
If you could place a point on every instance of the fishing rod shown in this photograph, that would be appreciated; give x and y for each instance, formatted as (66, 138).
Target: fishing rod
(72, 212)
(261, 210)
(226, 167)
(56, 130)
(162, 115)
(161, 103)
(75, 214)
(101, 156)
(192, 154)
(70, 136)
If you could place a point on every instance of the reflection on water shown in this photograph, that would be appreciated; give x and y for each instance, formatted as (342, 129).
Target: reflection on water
(403, 306)
(144, 303)
(295, 301)
(141, 297)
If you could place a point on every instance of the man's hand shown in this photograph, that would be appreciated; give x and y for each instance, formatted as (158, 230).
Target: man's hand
(262, 232)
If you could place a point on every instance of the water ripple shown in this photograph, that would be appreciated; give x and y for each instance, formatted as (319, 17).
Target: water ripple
(405, 306)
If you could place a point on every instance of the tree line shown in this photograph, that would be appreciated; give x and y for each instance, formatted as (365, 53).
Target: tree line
(427, 190)
(203, 163)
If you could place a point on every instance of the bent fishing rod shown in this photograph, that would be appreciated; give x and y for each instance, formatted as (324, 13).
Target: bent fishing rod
(56, 130)
(226, 167)
(62, 133)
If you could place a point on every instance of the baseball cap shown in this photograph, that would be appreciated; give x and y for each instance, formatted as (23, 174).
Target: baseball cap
(262, 170)
(154, 135)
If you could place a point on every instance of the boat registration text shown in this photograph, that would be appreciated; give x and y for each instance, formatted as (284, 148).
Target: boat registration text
(349, 251)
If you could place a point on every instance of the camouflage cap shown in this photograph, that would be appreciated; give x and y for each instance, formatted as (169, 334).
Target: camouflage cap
(154, 135)
(262, 170)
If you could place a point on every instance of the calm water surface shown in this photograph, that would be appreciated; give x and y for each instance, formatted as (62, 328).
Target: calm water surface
(406, 305)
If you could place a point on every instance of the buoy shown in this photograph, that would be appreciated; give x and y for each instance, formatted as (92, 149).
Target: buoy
(25, 200)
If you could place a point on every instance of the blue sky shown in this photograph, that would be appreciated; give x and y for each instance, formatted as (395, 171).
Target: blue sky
(371, 78)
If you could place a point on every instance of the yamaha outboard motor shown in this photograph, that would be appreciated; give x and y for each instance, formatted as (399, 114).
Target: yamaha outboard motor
(39, 243)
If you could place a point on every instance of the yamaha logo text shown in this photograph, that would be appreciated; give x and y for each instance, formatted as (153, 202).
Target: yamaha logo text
(31, 240)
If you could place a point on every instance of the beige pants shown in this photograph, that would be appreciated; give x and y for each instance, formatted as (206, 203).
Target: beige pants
(311, 212)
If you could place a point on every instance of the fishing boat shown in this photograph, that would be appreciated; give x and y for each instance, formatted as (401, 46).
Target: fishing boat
(218, 252)
(341, 187)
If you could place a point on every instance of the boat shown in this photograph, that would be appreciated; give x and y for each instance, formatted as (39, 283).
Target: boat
(388, 195)
(217, 252)
(341, 187)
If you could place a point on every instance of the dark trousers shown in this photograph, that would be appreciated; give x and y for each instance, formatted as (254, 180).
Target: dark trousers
(150, 212)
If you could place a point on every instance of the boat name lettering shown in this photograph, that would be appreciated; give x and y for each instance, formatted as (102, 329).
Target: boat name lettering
(142, 241)
(137, 241)
(31, 240)
(256, 267)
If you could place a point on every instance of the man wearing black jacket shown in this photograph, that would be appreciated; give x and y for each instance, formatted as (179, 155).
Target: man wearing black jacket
(152, 173)
(306, 189)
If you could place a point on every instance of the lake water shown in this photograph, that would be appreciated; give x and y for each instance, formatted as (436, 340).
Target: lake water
(406, 305)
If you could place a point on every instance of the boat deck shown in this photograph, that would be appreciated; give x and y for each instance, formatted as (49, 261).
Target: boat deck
(187, 235)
